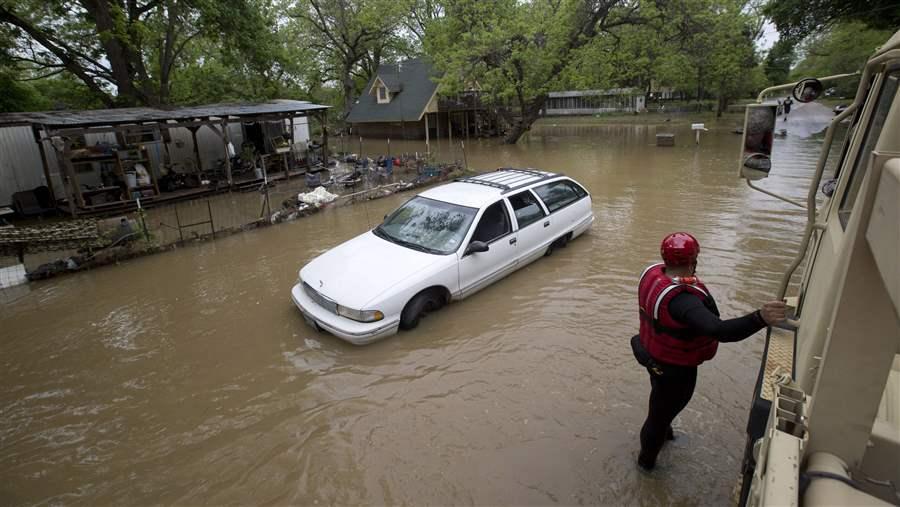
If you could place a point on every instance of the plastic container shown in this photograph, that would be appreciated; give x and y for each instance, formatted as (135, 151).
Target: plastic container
(131, 179)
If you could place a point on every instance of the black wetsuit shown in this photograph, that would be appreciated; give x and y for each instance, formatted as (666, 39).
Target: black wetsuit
(672, 386)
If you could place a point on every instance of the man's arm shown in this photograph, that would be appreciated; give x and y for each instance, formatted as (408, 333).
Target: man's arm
(688, 309)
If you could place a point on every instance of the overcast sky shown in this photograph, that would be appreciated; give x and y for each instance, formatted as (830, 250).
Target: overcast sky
(769, 36)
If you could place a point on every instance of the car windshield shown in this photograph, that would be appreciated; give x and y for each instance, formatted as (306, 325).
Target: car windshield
(427, 225)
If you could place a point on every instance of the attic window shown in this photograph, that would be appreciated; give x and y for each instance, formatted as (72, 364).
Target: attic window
(383, 97)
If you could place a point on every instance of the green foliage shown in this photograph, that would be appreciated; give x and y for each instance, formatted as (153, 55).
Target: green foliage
(349, 39)
(797, 19)
(517, 52)
(17, 96)
(129, 52)
(842, 49)
(778, 62)
(64, 91)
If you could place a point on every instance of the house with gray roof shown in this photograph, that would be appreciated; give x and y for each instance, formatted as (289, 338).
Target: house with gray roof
(401, 101)
(397, 102)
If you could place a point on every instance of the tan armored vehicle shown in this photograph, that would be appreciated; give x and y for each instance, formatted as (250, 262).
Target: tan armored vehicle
(824, 428)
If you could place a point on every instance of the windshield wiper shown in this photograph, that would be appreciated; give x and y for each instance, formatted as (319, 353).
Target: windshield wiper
(414, 246)
(378, 231)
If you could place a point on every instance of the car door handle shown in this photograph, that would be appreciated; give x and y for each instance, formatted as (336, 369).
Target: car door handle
(547, 223)
(512, 241)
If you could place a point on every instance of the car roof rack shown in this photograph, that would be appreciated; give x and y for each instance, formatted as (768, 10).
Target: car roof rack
(509, 179)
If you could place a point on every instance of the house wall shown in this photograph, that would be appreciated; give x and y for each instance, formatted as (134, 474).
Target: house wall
(20, 162)
(398, 130)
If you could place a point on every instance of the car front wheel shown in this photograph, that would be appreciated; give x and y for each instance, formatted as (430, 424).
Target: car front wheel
(418, 307)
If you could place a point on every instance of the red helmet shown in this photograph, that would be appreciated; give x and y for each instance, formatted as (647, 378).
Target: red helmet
(679, 249)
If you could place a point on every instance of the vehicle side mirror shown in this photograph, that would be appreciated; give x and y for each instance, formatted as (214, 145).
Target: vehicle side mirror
(756, 146)
(807, 90)
(477, 246)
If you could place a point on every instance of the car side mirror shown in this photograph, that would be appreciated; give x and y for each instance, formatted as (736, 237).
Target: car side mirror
(756, 146)
(477, 246)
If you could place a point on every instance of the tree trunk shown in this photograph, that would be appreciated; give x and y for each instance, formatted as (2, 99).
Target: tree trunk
(347, 82)
(124, 62)
(167, 54)
(721, 106)
(530, 112)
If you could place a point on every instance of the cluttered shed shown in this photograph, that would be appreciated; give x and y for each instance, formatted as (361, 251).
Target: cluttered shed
(107, 161)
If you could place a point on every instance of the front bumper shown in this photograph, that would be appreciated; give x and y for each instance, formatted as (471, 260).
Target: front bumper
(357, 333)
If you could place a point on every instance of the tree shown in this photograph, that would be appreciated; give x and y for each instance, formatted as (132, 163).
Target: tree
(778, 62)
(797, 19)
(715, 48)
(518, 51)
(352, 38)
(422, 14)
(841, 49)
(125, 51)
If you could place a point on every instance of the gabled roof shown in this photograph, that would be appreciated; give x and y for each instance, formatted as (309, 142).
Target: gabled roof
(391, 81)
(411, 88)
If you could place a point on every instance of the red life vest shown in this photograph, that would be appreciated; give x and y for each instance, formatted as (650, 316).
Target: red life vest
(666, 339)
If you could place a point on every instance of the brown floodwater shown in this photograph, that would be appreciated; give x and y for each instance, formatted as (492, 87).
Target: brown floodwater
(189, 377)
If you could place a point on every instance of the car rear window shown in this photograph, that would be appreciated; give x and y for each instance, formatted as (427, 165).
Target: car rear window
(560, 194)
(527, 208)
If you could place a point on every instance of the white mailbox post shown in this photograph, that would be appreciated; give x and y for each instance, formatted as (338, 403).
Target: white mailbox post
(697, 127)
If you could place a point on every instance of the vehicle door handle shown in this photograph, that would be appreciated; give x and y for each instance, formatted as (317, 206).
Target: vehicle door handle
(512, 241)
(547, 223)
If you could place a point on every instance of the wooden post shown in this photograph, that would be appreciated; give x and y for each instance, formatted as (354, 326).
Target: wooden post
(466, 113)
(73, 178)
(325, 139)
(196, 147)
(40, 143)
(292, 135)
(225, 140)
(450, 127)
(427, 140)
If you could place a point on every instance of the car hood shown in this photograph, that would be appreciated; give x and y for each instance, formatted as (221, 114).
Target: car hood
(355, 272)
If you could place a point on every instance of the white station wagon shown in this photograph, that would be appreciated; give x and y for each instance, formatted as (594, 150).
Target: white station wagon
(442, 245)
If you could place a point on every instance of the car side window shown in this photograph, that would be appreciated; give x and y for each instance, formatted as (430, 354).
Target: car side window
(559, 194)
(527, 208)
(494, 223)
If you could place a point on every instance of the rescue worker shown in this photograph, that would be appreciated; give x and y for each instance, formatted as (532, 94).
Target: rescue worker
(679, 329)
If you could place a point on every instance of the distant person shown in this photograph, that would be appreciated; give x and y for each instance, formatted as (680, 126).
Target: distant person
(787, 107)
(679, 329)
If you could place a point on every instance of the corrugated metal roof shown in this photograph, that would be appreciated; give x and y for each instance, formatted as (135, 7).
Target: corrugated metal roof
(413, 77)
(98, 117)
